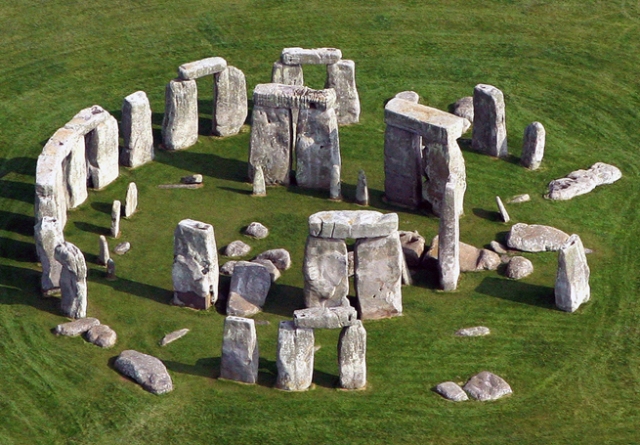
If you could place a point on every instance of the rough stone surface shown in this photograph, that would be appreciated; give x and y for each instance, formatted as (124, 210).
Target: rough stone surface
(102, 335)
(122, 248)
(48, 235)
(259, 186)
(103, 154)
(497, 247)
(131, 201)
(351, 263)
(325, 317)
(275, 95)
(279, 257)
(572, 281)
(237, 249)
(256, 230)
(379, 263)
(519, 267)
(180, 123)
(274, 272)
(201, 68)
(451, 391)
(443, 163)
(111, 269)
(240, 354)
(73, 280)
(191, 179)
(271, 143)
(463, 108)
(581, 182)
(352, 351)
(341, 224)
(410, 96)
(315, 56)
(227, 268)
(533, 146)
(51, 182)
(431, 123)
(535, 238)
(487, 386)
(287, 74)
(146, 370)
(504, 215)
(136, 131)
(230, 101)
(341, 76)
(294, 357)
(74, 167)
(173, 336)
(116, 208)
(195, 265)
(326, 281)
(471, 258)
(335, 184)
(519, 199)
(412, 247)
(76, 327)
(402, 167)
(489, 123)
(362, 190)
(449, 241)
(103, 255)
(250, 284)
(476, 331)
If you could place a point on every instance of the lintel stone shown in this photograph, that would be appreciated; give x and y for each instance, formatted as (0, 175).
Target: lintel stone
(276, 95)
(315, 56)
(201, 68)
(341, 224)
(431, 123)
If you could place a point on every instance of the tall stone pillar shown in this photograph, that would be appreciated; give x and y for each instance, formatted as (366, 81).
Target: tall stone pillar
(352, 352)
(489, 124)
(572, 281)
(325, 271)
(533, 146)
(271, 142)
(294, 357)
(449, 240)
(136, 131)
(48, 235)
(341, 76)
(73, 280)
(230, 101)
(180, 123)
(103, 153)
(402, 167)
(240, 355)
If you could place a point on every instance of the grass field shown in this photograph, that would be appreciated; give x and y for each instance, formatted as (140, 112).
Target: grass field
(572, 65)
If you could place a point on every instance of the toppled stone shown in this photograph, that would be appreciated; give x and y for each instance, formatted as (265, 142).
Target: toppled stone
(201, 68)
(572, 281)
(103, 255)
(519, 267)
(502, 210)
(73, 280)
(146, 370)
(136, 131)
(250, 284)
(180, 123)
(533, 146)
(259, 186)
(173, 336)
(115, 218)
(191, 179)
(472, 259)
(412, 247)
(274, 272)
(519, 198)
(535, 238)
(451, 391)
(131, 201)
(489, 124)
(362, 191)
(279, 257)
(325, 317)
(341, 224)
(580, 182)
(315, 56)
(230, 101)
(256, 230)
(341, 76)
(498, 248)
(476, 331)
(122, 248)
(287, 74)
(294, 357)
(237, 249)
(76, 327)
(227, 268)
(240, 354)
(410, 96)
(101, 335)
(487, 386)
(326, 283)
(48, 235)
(352, 351)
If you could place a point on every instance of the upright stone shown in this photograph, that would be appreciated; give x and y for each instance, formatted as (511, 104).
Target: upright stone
(250, 284)
(325, 270)
(287, 74)
(51, 198)
(259, 187)
(230, 101)
(195, 265)
(362, 191)
(180, 123)
(294, 357)
(103, 153)
(489, 124)
(504, 215)
(335, 186)
(48, 235)
(449, 238)
(103, 255)
(352, 355)
(572, 281)
(533, 146)
(136, 131)
(75, 168)
(240, 354)
(270, 145)
(116, 208)
(341, 76)
(402, 167)
(131, 201)
(111, 269)
(73, 280)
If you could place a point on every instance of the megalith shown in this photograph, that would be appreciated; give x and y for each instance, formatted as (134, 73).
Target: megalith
(270, 146)
(314, 56)
(449, 240)
(250, 284)
(136, 131)
(180, 123)
(201, 68)
(572, 281)
(287, 74)
(352, 351)
(489, 134)
(230, 101)
(326, 282)
(240, 354)
(533, 146)
(103, 255)
(131, 200)
(341, 76)
(362, 190)
(116, 208)
(73, 280)
(48, 235)
(294, 358)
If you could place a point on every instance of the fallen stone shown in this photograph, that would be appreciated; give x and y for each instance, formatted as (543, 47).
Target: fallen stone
(101, 335)
(487, 386)
(48, 235)
(326, 283)
(240, 354)
(237, 249)
(115, 218)
(489, 124)
(533, 146)
(259, 186)
(572, 281)
(191, 179)
(519, 267)
(498, 248)
(472, 259)
(180, 186)
(180, 123)
(463, 108)
(111, 269)
(173, 336)
(362, 191)
(341, 224)
(103, 255)
(250, 284)
(410, 96)
(146, 370)
(274, 272)
(230, 101)
(451, 391)
(201, 68)
(476, 331)
(287, 74)
(256, 230)
(315, 56)
(136, 131)
(325, 317)
(76, 327)
(352, 351)
(73, 280)
(412, 247)
(279, 257)
(122, 248)
(581, 182)
(294, 357)
(341, 76)
(535, 238)
(227, 268)
(131, 201)
(519, 198)
(504, 216)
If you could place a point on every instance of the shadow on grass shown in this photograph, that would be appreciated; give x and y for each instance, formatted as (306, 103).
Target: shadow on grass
(210, 368)
(92, 228)
(236, 190)
(102, 207)
(487, 214)
(283, 300)
(21, 286)
(207, 164)
(157, 294)
(517, 291)
(21, 165)
(19, 191)
(18, 250)
(17, 223)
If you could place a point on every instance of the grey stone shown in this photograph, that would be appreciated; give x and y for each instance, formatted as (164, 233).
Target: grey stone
(335, 185)
(476, 331)
(227, 268)
(274, 95)
(122, 248)
(51, 182)
(195, 265)
(533, 146)
(259, 186)
(378, 280)
(449, 240)
(519, 199)
(402, 167)
(173, 336)
(411, 96)
(287, 74)
(230, 101)
(463, 108)
(294, 357)
(519, 267)
(74, 167)
(76, 327)
(279, 257)
(101, 335)
(407, 280)
(362, 191)
(443, 163)
(352, 351)
(180, 123)
(497, 247)
(341, 76)
(271, 142)
(325, 317)
(274, 272)
(315, 56)
(412, 247)
(250, 284)
(581, 182)
(326, 283)
(451, 391)
(256, 230)
(351, 264)
(146, 370)
(487, 386)
(535, 238)
(240, 354)
(237, 249)
(131, 201)
(431, 123)
(48, 235)
(504, 215)
(572, 281)
(73, 280)
(471, 259)
(489, 123)
(111, 269)
(201, 68)
(191, 179)
(136, 131)
(341, 224)
(103, 255)
(116, 208)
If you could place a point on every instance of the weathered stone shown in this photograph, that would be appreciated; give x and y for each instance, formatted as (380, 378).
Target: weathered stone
(76, 327)
(48, 235)
(274, 272)
(326, 283)
(378, 280)
(341, 76)
(103, 255)
(431, 123)
(402, 167)
(122, 248)
(102, 335)
(497, 247)
(471, 259)
(259, 186)
(572, 281)
(116, 208)
(287, 74)
(131, 201)
(489, 124)
(504, 215)
(230, 101)
(362, 191)
(407, 280)
(487, 386)
(411, 96)
(335, 185)
(519, 199)
(451, 391)
(173, 336)
(325, 317)
(449, 240)
(274, 95)
(443, 163)
(315, 56)
(51, 181)
(73, 280)
(227, 268)
(74, 166)
(88, 119)
(580, 182)
(519, 267)
(237, 249)
(352, 351)
(279, 257)
(191, 179)
(240, 354)
(111, 269)
(136, 131)
(341, 224)
(250, 284)
(201, 68)
(294, 357)
(103, 154)
(488, 260)
(412, 247)
(195, 265)
(351, 263)
(533, 146)
(256, 230)
(180, 123)
(535, 238)
(146, 370)
(271, 142)
(476, 331)
(463, 108)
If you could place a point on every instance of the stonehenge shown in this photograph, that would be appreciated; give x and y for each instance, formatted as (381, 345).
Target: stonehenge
(572, 281)
(48, 235)
(136, 131)
(352, 350)
(250, 284)
(131, 200)
(240, 353)
(294, 357)
(489, 134)
(73, 280)
(449, 240)
(533, 146)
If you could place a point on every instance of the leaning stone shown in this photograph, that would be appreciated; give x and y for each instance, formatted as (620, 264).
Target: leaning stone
(287, 74)
(76, 327)
(101, 335)
(115, 218)
(476, 331)
(240, 354)
(48, 235)
(250, 284)
(451, 391)
(341, 224)
(325, 317)
(73, 280)
(410, 96)
(335, 185)
(533, 146)
(572, 281)
(173, 336)
(487, 386)
(146, 370)
(191, 179)
(103, 255)
(274, 272)
(230, 101)
(519, 198)
(180, 123)
(580, 182)
(519, 267)
(131, 201)
(111, 269)
(259, 187)
(412, 247)
(136, 131)
(362, 191)
(294, 357)
(536, 238)
(326, 283)
(227, 268)
(502, 210)
(122, 248)
(352, 350)
(256, 230)
(497, 247)
(464, 108)
(449, 238)
(316, 56)
(489, 126)
(341, 76)
(201, 68)
(270, 145)
(237, 249)
(279, 257)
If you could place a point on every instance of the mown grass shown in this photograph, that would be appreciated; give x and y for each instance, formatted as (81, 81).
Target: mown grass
(570, 64)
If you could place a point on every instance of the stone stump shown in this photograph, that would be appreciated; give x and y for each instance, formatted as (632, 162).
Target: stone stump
(533, 146)
(136, 131)
(352, 351)
(362, 191)
(294, 357)
(73, 280)
(180, 123)
(489, 125)
(103, 255)
(240, 354)
(325, 271)
(572, 281)
(250, 284)
(230, 101)
(448, 241)
(341, 76)
(48, 235)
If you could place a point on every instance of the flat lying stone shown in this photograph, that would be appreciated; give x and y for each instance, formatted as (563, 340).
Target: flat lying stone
(536, 238)
(476, 331)
(519, 198)
(315, 56)
(451, 391)
(173, 336)
(325, 317)
(411, 96)
(77, 327)
(412, 247)
(256, 230)
(504, 215)
(275, 95)
(472, 259)
(122, 248)
(237, 249)
(341, 224)
(191, 179)
(201, 68)
(487, 386)
(180, 186)
(519, 267)
(102, 335)
(580, 182)
(279, 257)
(497, 247)
(146, 370)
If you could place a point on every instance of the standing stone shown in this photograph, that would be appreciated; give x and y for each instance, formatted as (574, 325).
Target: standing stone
(335, 186)
(111, 269)
(362, 191)
(572, 281)
(195, 265)
(352, 351)
(75, 168)
(103, 153)
(115, 218)
(325, 270)
(294, 357)
(402, 167)
(489, 125)
(504, 216)
(136, 131)
(48, 235)
(270, 145)
(449, 238)
(240, 354)
(73, 280)
(287, 74)
(379, 263)
(131, 201)
(341, 76)
(180, 123)
(50, 181)
(103, 255)
(259, 187)
(533, 146)
(230, 101)
(250, 285)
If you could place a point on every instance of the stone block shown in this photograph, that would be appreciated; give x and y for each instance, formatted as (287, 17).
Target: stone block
(533, 146)
(276, 95)
(352, 352)
(201, 68)
(73, 280)
(250, 284)
(180, 123)
(315, 56)
(489, 124)
(240, 354)
(572, 281)
(325, 317)
(326, 283)
(230, 101)
(342, 224)
(136, 131)
(341, 76)
(294, 357)
(449, 241)
(287, 74)
(271, 143)
(103, 153)
(48, 235)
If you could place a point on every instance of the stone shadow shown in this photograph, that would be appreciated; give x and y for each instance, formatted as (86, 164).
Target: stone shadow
(21, 165)
(517, 291)
(21, 286)
(18, 250)
(92, 228)
(210, 368)
(283, 300)
(487, 214)
(157, 294)
(207, 164)
(19, 191)
(17, 223)
(102, 207)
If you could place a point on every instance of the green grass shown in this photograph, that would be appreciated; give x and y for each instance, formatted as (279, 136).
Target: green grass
(571, 65)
